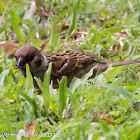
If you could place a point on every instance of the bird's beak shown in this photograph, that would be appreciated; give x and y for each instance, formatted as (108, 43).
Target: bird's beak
(19, 63)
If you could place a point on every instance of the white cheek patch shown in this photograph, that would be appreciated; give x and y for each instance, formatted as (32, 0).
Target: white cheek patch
(39, 70)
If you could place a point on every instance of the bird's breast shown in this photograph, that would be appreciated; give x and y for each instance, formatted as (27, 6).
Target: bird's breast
(39, 72)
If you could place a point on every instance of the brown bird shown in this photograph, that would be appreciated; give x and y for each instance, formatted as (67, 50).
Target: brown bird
(69, 64)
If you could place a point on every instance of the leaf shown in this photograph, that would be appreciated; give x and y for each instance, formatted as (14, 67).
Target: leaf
(106, 32)
(133, 57)
(2, 77)
(98, 50)
(45, 86)
(29, 79)
(32, 32)
(77, 82)
(78, 132)
(139, 9)
(114, 113)
(86, 76)
(46, 89)
(54, 33)
(32, 103)
(104, 125)
(74, 19)
(15, 25)
(2, 6)
(30, 89)
(62, 94)
(39, 82)
(54, 109)
(61, 15)
(4, 12)
(120, 90)
(113, 30)
(96, 37)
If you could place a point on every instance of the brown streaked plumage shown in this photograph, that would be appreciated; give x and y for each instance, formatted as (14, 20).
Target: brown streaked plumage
(69, 64)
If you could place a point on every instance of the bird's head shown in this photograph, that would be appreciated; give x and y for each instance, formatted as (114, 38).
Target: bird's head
(27, 55)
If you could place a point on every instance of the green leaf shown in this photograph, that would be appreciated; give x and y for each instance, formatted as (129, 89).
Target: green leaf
(29, 79)
(96, 136)
(54, 109)
(30, 89)
(46, 88)
(54, 30)
(32, 32)
(98, 50)
(2, 77)
(113, 30)
(120, 90)
(62, 94)
(39, 83)
(78, 132)
(74, 19)
(61, 15)
(86, 76)
(2, 6)
(105, 32)
(139, 9)
(77, 82)
(32, 103)
(15, 25)
(104, 125)
(114, 113)
(4, 12)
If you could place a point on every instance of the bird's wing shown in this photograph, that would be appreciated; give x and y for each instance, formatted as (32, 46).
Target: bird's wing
(63, 64)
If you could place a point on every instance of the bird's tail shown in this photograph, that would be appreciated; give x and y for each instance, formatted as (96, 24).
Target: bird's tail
(102, 66)
(121, 63)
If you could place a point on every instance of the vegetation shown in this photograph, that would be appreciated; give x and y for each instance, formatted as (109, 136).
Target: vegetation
(106, 107)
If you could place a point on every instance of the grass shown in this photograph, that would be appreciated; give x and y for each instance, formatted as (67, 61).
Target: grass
(106, 107)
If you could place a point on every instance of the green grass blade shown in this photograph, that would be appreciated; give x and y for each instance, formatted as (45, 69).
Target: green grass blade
(74, 19)
(120, 90)
(77, 82)
(29, 80)
(86, 76)
(32, 103)
(106, 32)
(5, 10)
(61, 15)
(104, 126)
(78, 132)
(139, 9)
(2, 77)
(39, 83)
(46, 88)
(54, 33)
(62, 94)
(30, 89)
(54, 30)
(15, 25)
(32, 32)
(113, 30)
